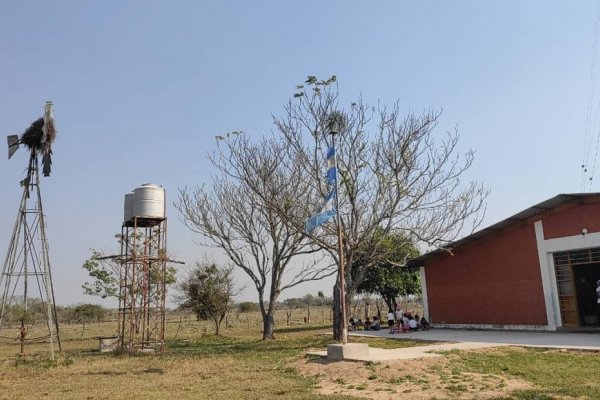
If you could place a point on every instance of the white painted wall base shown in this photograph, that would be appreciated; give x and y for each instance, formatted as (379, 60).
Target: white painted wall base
(493, 327)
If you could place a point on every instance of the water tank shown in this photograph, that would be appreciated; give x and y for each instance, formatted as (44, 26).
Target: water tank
(128, 214)
(149, 201)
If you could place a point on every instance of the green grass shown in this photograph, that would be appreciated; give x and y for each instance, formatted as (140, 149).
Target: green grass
(389, 344)
(553, 373)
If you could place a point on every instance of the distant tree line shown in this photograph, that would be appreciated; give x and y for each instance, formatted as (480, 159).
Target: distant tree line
(36, 313)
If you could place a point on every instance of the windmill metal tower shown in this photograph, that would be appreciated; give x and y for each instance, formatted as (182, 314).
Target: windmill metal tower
(28, 304)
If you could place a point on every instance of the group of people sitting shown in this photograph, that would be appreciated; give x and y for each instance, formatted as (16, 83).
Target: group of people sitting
(357, 324)
(398, 322)
(404, 322)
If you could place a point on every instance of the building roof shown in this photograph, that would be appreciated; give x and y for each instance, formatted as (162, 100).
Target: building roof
(522, 216)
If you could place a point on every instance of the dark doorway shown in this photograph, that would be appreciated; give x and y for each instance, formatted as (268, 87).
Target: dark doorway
(585, 277)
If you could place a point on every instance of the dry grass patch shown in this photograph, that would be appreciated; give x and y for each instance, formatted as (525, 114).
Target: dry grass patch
(112, 378)
(501, 373)
(239, 366)
(429, 378)
(151, 377)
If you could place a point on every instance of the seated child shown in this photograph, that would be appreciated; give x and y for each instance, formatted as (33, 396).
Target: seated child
(375, 325)
(412, 324)
(390, 319)
(405, 318)
(405, 327)
(360, 324)
(424, 324)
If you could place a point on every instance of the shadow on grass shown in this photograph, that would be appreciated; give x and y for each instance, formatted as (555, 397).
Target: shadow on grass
(298, 329)
(392, 343)
(219, 345)
(284, 346)
(108, 373)
(152, 371)
(319, 360)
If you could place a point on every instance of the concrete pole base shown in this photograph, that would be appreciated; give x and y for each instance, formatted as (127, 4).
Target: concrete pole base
(348, 351)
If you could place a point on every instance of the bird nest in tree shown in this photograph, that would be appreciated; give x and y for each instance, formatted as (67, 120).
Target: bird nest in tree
(336, 122)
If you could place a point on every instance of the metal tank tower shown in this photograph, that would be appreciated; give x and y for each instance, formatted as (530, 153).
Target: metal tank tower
(143, 270)
(27, 304)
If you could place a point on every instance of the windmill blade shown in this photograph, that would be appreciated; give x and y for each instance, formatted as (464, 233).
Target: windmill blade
(13, 144)
(47, 163)
(49, 134)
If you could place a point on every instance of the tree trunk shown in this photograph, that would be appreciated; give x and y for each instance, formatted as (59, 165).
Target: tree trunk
(390, 302)
(267, 316)
(268, 326)
(217, 326)
(337, 313)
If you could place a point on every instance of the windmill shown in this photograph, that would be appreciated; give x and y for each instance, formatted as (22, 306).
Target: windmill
(26, 279)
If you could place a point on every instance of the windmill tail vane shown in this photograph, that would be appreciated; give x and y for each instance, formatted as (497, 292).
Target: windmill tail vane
(13, 145)
(38, 138)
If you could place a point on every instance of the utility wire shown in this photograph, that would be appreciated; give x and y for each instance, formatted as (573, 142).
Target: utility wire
(590, 127)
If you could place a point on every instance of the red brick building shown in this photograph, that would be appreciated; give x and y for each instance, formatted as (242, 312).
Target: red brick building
(535, 270)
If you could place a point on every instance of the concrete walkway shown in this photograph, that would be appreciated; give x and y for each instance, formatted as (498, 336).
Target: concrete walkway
(470, 339)
(562, 340)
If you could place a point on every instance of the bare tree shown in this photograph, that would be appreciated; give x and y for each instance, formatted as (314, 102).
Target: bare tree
(233, 214)
(289, 305)
(395, 176)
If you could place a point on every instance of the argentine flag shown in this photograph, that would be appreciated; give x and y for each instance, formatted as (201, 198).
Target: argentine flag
(328, 209)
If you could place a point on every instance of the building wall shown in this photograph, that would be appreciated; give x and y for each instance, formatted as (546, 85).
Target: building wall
(571, 219)
(493, 281)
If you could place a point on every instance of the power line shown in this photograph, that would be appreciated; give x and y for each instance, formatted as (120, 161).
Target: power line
(590, 127)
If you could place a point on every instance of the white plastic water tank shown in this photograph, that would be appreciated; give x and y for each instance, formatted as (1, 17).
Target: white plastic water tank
(149, 201)
(128, 209)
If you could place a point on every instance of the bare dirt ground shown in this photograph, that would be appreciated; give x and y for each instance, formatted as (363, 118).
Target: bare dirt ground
(428, 378)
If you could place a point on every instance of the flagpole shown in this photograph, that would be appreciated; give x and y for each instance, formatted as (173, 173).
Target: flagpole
(343, 320)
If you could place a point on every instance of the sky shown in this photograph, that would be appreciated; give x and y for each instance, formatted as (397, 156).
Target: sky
(141, 89)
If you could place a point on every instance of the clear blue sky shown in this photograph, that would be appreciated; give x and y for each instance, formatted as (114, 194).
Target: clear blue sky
(141, 88)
